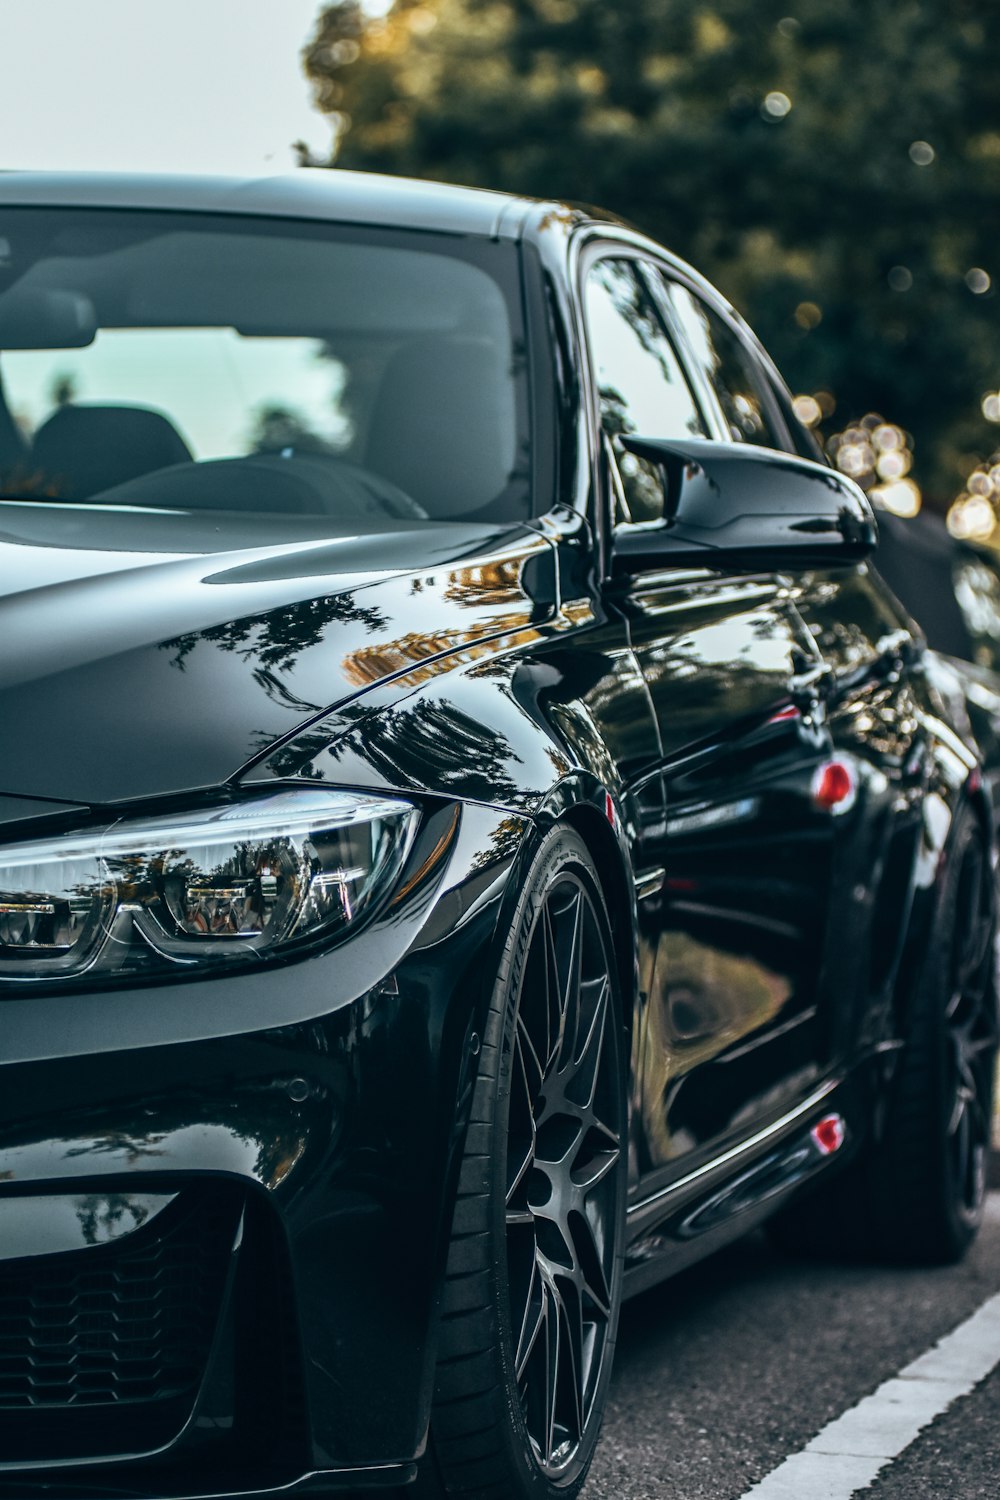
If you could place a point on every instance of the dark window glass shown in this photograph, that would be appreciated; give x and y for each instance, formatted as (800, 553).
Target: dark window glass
(355, 376)
(640, 382)
(729, 368)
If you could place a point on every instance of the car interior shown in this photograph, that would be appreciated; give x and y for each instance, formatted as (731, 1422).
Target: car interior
(198, 369)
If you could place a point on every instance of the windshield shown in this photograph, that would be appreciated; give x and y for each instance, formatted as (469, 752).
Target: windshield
(207, 363)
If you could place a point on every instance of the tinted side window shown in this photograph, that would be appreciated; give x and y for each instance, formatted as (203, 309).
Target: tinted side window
(640, 383)
(730, 370)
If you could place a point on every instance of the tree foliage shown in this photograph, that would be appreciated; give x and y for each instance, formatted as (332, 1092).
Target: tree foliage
(833, 165)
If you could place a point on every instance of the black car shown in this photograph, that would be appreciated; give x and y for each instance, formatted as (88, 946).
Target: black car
(477, 836)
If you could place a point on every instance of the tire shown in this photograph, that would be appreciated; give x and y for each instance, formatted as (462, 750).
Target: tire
(533, 1278)
(916, 1195)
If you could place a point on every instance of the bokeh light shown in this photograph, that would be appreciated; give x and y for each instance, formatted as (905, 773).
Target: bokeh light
(776, 105)
(902, 498)
(974, 515)
(922, 153)
(878, 456)
(808, 410)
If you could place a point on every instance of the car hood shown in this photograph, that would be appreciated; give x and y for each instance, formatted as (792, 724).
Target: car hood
(147, 653)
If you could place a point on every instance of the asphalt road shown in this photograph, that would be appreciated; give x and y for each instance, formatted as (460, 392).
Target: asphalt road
(730, 1368)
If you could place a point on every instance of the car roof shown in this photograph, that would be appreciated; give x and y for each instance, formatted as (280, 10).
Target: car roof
(309, 193)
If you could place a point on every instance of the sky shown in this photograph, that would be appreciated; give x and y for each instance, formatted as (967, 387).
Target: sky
(191, 85)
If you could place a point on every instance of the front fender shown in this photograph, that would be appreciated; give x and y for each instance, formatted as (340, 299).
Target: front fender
(551, 723)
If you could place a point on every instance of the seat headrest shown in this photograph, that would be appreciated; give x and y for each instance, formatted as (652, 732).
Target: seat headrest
(443, 424)
(86, 449)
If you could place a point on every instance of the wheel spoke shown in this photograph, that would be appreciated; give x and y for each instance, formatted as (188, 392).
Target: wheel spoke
(519, 1175)
(597, 1168)
(590, 1252)
(571, 1362)
(552, 998)
(960, 1110)
(568, 977)
(531, 1065)
(551, 1374)
(588, 1060)
(600, 1297)
(598, 1294)
(532, 1322)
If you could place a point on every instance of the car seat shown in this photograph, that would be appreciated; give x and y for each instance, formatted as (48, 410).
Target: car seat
(82, 450)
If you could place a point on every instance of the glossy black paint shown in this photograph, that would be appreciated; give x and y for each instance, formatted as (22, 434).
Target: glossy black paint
(737, 506)
(504, 677)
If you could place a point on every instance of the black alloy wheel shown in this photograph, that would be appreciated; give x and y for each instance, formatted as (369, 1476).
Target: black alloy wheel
(916, 1193)
(926, 1178)
(533, 1284)
(971, 1040)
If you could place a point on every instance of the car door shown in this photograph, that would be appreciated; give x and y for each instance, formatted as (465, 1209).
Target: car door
(731, 1035)
(871, 716)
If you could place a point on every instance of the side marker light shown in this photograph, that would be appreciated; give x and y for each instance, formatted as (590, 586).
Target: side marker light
(828, 1136)
(834, 786)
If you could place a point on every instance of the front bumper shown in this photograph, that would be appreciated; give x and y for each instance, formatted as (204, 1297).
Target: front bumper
(224, 1207)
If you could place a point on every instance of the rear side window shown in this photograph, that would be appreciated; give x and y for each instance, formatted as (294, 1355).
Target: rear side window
(641, 387)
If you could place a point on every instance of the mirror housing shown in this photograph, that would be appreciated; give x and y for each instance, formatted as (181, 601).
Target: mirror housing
(736, 506)
(46, 318)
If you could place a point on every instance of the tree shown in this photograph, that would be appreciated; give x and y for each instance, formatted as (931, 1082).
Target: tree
(833, 165)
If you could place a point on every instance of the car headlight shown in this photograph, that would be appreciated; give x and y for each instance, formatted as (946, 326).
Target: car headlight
(235, 884)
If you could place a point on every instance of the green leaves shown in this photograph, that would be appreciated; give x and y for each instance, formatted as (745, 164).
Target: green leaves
(778, 145)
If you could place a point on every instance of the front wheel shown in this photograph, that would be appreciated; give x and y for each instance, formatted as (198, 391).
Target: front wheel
(533, 1281)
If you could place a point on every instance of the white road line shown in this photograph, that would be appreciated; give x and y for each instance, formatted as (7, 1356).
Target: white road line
(846, 1456)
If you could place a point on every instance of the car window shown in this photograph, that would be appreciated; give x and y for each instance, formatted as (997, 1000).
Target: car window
(729, 368)
(218, 363)
(639, 378)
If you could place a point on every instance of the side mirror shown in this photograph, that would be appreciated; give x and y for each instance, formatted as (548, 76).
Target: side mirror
(733, 505)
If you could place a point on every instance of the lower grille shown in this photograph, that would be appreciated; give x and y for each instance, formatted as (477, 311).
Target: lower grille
(124, 1329)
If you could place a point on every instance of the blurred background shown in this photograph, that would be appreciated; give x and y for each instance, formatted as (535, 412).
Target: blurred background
(833, 165)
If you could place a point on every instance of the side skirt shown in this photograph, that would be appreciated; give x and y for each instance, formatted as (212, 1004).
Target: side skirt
(731, 1194)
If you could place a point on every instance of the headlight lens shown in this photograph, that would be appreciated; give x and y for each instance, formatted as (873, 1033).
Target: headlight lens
(234, 884)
